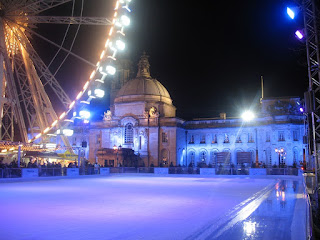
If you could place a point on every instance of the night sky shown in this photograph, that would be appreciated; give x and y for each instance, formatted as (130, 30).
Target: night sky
(209, 56)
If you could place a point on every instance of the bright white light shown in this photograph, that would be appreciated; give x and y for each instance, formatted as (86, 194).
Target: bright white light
(84, 114)
(67, 132)
(120, 45)
(99, 93)
(111, 70)
(290, 13)
(249, 227)
(248, 116)
(299, 34)
(125, 20)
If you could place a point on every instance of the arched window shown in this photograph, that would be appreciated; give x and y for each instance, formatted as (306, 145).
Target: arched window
(128, 133)
(191, 157)
(203, 156)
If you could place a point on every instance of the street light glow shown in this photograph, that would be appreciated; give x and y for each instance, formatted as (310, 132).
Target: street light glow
(248, 116)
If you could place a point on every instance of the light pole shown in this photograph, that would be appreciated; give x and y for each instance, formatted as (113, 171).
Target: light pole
(116, 149)
(311, 37)
(280, 152)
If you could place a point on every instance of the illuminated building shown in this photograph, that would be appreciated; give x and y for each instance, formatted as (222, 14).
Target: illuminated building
(143, 118)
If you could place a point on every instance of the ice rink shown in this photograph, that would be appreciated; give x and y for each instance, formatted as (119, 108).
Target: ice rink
(136, 207)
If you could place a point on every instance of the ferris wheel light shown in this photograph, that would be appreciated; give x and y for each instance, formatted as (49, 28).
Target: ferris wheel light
(99, 93)
(84, 114)
(67, 132)
(125, 20)
(111, 70)
(120, 45)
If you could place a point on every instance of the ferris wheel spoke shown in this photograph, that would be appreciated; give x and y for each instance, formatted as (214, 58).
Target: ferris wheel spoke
(38, 6)
(9, 105)
(46, 75)
(59, 46)
(66, 20)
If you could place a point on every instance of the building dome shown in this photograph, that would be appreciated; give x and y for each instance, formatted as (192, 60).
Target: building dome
(143, 87)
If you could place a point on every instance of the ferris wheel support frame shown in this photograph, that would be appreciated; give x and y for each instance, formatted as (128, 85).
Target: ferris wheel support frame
(24, 75)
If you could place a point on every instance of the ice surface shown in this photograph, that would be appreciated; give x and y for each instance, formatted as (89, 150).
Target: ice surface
(119, 207)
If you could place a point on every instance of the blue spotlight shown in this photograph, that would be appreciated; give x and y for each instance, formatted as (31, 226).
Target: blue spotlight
(291, 13)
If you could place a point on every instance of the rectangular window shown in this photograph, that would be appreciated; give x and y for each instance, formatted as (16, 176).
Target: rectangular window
(164, 137)
(226, 138)
(281, 137)
(250, 138)
(214, 138)
(203, 139)
(295, 135)
(238, 140)
(191, 139)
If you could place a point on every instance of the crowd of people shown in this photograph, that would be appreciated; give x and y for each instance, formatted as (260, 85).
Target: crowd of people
(45, 164)
(30, 164)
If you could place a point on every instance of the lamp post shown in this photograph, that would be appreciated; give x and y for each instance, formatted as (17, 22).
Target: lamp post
(116, 149)
(280, 153)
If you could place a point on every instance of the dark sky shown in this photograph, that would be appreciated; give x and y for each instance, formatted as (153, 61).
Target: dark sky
(208, 55)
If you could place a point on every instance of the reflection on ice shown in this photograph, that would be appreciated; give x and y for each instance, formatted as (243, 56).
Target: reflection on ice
(273, 217)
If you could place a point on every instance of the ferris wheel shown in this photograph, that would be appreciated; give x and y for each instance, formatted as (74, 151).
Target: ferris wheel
(25, 105)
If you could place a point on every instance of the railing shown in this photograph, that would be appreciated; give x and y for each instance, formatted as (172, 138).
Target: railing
(232, 171)
(89, 171)
(283, 171)
(49, 172)
(131, 170)
(308, 207)
(10, 172)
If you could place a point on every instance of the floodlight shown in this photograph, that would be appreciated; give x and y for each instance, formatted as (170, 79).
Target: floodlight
(299, 34)
(248, 116)
(290, 13)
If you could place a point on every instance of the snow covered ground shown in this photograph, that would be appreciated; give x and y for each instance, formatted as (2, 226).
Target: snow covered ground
(125, 206)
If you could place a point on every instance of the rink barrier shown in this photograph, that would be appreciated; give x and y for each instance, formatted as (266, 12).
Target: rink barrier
(104, 171)
(257, 171)
(207, 171)
(29, 172)
(161, 171)
(72, 172)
